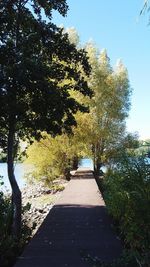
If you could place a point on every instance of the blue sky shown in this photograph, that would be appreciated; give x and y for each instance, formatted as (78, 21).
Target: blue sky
(117, 26)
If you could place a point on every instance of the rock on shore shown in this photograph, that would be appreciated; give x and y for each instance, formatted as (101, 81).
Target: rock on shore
(38, 200)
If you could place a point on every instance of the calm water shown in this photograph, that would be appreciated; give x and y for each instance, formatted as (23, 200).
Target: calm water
(88, 163)
(20, 171)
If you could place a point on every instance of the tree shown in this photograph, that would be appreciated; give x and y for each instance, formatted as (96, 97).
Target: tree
(53, 157)
(73, 36)
(146, 7)
(105, 123)
(126, 143)
(110, 105)
(35, 57)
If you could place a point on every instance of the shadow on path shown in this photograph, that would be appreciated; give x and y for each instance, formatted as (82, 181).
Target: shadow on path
(71, 230)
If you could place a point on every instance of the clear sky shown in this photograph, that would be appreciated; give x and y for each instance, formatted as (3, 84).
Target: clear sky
(117, 26)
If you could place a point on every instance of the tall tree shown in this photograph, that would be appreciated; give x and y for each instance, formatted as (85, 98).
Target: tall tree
(109, 106)
(105, 123)
(35, 57)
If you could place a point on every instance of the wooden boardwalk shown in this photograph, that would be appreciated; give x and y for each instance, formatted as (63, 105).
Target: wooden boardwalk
(77, 225)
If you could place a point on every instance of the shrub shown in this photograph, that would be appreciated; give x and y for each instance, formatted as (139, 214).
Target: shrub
(51, 157)
(127, 259)
(9, 247)
(127, 196)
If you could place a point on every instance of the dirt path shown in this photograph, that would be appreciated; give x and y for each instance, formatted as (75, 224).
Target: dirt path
(77, 226)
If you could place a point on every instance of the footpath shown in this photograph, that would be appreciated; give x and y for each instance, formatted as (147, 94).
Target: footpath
(76, 228)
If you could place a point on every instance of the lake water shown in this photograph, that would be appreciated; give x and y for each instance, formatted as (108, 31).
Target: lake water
(22, 169)
(88, 163)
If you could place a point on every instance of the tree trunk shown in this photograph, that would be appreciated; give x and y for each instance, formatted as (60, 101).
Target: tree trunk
(75, 162)
(97, 158)
(16, 193)
(94, 164)
(94, 157)
(97, 167)
(97, 164)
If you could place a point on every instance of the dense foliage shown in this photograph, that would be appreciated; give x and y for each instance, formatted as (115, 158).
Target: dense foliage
(109, 106)
(127, 196)
(9, 247)
(108, 109)
(99, 134)
(52, 157)
(35, 58)
(3, 157)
